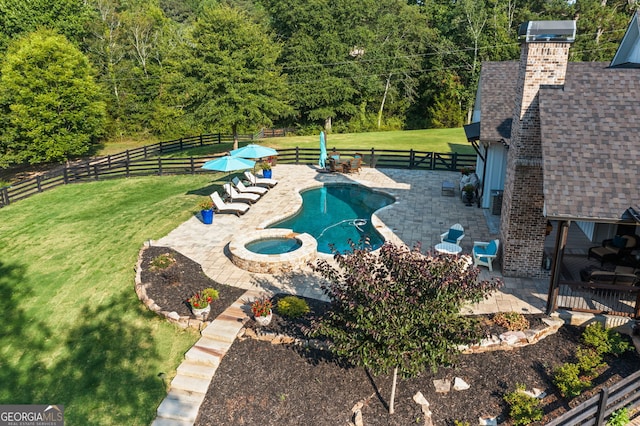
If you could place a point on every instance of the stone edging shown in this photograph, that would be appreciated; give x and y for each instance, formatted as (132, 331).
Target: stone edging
(506, 341)
(141, 290)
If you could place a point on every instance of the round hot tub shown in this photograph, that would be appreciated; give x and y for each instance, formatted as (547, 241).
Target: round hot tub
(272, 250)
(278, 245)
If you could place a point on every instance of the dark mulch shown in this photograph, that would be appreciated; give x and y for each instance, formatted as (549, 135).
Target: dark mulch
(261, 383)
(171, 287)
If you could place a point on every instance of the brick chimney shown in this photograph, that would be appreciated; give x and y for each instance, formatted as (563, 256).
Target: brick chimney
(543, 62)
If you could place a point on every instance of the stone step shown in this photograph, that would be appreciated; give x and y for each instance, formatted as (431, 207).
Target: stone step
(190, 384)
(196, 369)
(161, 421)
(204, 355)
(181, 395)
(223, 329)
(179, 409)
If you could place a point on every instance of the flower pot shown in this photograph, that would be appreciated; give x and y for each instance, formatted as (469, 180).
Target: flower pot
(207, 216)
(265, 320)
(202, 311)
(267, 173)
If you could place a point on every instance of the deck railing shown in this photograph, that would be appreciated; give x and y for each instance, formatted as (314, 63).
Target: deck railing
(594, 411)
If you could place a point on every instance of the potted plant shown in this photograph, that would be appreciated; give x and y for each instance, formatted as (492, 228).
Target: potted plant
(261, 309)
(468, 193)
(466, 171)
(206, 210)
(200, 303)
(266, 169)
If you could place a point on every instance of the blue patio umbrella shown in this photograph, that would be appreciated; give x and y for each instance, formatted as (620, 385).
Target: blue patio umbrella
(323, 151)
(254, 151)
(228, 163)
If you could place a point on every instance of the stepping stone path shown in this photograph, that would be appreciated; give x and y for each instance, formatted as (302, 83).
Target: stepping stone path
(189, 387)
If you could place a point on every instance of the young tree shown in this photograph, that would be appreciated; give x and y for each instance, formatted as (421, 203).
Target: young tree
(399, 309)
(51, 107)
(226, 77)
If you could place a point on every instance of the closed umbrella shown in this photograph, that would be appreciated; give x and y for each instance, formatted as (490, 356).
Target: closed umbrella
(323, 151)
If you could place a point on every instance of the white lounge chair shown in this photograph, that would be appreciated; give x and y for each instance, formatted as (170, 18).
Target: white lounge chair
(236, 196)
(483, 253)
(248, 189)
(222, 207)
(256, 181)
(454, 235)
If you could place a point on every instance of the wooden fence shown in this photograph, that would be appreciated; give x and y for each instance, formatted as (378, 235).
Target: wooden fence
(149, 160)
(594, 411)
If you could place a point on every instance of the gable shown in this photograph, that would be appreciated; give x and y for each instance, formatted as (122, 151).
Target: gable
(497, 93)
(628, 54)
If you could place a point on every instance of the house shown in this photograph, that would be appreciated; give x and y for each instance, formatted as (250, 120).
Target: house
(562, 141)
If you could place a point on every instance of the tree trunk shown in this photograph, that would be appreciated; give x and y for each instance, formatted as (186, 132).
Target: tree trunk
(234, 130)
(327, 124)
(384, 98)
(393, 391)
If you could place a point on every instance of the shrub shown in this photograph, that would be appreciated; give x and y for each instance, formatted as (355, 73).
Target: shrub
(567, 379)
(511, 320)
(604, 340)
(589, 360)
(292, 307)
(619, 417)
(523, 409)
(211, 294)
(162, 261)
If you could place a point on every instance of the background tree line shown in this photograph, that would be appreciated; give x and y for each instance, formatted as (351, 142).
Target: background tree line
(75, 71)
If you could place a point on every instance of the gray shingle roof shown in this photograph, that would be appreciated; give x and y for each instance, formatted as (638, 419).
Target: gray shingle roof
(497, 87)
(591, 142)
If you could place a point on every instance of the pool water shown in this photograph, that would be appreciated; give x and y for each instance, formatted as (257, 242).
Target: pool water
(335, 214)
(274, 245)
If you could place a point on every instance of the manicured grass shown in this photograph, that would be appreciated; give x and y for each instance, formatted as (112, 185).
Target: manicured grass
(73, 331)
(430, 140)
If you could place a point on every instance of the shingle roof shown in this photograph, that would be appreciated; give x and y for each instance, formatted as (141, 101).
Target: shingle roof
(497, 87)
(590, 133)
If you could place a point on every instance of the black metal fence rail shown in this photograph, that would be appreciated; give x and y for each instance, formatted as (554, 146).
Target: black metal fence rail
(599, 298)
(594, 411)
(148, 160)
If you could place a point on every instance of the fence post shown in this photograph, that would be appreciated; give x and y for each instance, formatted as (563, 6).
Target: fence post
(127, 156)
(297, 155)
(65, 175)
(454, 163)
(193, 166)
(412, 158)
(201, 140)
(219, 138)
(159, 166)
(372, 161)
(181, 145)
(95, 171)
(602, 405)
(127, 168)
(5, 196)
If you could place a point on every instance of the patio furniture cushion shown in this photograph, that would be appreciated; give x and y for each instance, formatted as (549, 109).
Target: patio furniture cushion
(619, 241)
(453, 235)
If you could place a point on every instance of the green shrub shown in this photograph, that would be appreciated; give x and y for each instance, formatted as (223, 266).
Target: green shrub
(460, 423)
(589, 360)
(523, 409)
(292, 307)
(567, 379)
(604, 340)
(162, 261)
(619, 417)
(211, 292)
(511, 320)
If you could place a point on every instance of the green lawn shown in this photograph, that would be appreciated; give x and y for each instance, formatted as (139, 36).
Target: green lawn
(430, 140)
(73, 331)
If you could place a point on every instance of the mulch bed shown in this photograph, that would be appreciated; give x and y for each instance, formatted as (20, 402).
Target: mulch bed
(171, 287)
(262, 383)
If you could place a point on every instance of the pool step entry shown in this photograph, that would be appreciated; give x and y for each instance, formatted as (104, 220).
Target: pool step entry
(189, 387)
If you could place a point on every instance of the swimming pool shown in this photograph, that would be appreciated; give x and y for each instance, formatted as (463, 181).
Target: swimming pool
(337, 213)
